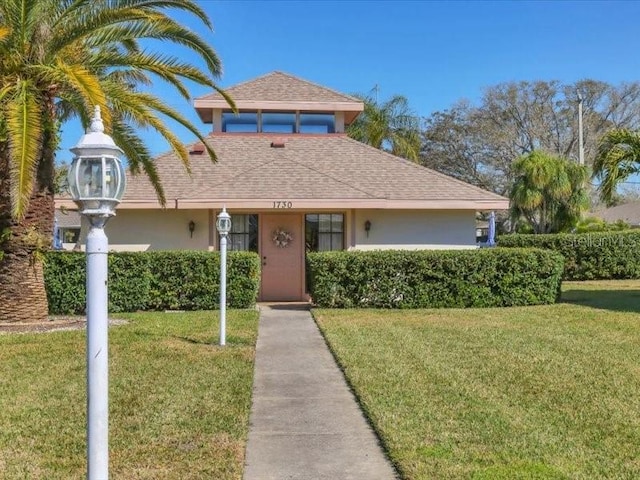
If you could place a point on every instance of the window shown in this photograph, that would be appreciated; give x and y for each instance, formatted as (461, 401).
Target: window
(69, 235)
(324, 231)
(244, 233)
(317, 123)
(243, 122)
(278, 122)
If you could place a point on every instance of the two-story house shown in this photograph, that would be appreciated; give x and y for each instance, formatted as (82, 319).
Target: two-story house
(294, 182)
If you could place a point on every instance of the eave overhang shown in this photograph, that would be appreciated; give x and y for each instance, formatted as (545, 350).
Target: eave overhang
(305, 204)
(205, 107)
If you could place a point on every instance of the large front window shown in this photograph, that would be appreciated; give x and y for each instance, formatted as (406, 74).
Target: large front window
(324, 231)
(244, 233)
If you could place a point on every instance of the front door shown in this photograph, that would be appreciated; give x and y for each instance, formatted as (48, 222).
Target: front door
(282, 241)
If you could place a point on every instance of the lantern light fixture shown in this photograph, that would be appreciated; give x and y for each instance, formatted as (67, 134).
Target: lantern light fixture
(96, 177)
(223, 223)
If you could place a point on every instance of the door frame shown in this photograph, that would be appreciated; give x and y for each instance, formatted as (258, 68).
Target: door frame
(299, 236)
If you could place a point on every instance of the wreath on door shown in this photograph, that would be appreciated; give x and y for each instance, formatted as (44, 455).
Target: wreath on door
(281, 238)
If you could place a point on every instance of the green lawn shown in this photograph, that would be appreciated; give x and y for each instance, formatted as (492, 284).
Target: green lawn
(549, 392)
(179, 406)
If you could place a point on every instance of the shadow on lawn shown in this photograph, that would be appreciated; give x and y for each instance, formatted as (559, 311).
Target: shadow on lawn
(231, 340)
(616, 300)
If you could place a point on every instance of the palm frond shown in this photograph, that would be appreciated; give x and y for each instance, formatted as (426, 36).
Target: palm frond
(4, 32)
(166, 67)
(117, 25)
(24, 129)
(138, 155)
(617, 159)
(136, 106)
(185, 5)
(79, 79)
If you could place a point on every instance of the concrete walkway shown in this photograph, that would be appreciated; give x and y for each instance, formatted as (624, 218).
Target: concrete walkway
(305, 423)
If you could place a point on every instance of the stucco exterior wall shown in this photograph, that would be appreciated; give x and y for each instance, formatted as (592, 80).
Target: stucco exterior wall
(414, 229)
(140, 230)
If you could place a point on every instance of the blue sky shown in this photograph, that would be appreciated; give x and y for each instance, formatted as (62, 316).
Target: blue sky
(434, 53)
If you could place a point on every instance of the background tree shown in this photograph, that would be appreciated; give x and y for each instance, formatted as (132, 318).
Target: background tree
(58, 59)
(548, 192)
(618, 158)
(391, 126)
(478, 144)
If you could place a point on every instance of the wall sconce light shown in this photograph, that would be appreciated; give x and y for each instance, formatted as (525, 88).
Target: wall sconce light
(367, 227)
(192, 227)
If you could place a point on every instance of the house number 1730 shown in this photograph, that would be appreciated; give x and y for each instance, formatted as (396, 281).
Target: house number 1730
(282, 204)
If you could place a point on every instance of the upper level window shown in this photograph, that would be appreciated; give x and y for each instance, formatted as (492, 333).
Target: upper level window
(278, 122)
(317, 123)
(324, 231)
(244, 233)
(243, 122)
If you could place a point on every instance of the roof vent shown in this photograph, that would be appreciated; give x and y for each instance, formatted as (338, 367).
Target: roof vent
(197, 149)
(277, 143)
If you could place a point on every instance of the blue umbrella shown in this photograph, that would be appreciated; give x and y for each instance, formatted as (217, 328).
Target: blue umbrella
(57, 241)
(491, 237)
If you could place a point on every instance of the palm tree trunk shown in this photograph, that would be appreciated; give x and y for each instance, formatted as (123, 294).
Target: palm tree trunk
(22, 294)
(22, 291)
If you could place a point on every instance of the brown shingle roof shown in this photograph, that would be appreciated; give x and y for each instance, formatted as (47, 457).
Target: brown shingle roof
(68, 218)
(627, 212)
(281, 87)
(315, 167)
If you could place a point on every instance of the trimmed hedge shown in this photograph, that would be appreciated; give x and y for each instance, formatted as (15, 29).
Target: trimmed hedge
(434, 278)
(588, 256)
(65, 282)
(176, 280)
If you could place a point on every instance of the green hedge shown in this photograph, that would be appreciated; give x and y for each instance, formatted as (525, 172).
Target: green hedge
(186, 280)
(588, 256)
(65, 281)
(434, 278)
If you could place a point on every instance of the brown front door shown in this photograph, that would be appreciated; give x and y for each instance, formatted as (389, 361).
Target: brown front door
(281, 246)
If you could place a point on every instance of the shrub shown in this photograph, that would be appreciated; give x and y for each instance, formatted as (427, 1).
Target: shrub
(588, 256)
(129, 281)
(65, 282)
(154, 281)
(191, 280)
(183, 280)
(64, 279)
(595, 224)
(434, 278)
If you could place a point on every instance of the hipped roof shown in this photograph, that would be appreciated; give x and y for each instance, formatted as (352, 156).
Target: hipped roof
(312, 171)
(280, 91)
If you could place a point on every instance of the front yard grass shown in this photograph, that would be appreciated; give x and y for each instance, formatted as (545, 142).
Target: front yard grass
(179, 406)
(546, 392)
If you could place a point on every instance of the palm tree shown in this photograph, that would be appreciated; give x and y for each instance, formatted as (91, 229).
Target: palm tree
(59, 59)
(618, 158)
(390, 126)
(548, 192)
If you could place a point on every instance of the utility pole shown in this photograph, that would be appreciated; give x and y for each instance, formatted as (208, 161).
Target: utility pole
(580, 138)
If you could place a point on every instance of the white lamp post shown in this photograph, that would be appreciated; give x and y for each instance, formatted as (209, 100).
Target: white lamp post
(96, 184)
(223, 224)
